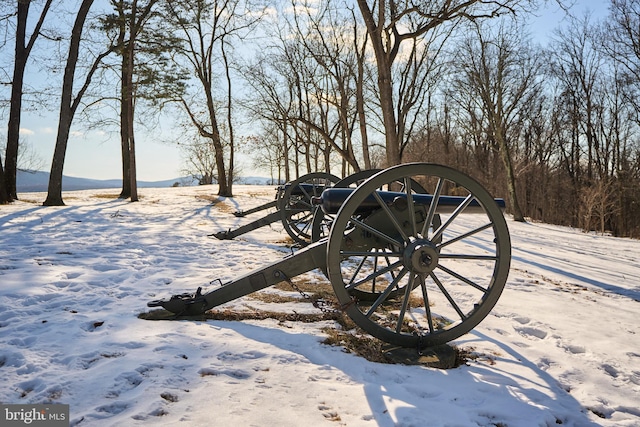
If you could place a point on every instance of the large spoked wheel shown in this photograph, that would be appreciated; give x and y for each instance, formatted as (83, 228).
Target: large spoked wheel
(434, 278)
(294, 204)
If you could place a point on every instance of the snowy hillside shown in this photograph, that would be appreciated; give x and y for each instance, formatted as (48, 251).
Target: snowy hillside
(561, 347)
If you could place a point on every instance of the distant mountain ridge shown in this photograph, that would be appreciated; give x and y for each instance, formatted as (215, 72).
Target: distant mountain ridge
(39, 181)
(28, 182)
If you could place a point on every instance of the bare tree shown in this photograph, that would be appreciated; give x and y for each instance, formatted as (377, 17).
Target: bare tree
(328, 38)
(22, 51)
(598, 204)
(393, 24)
(69, 105)
(272, 103)
(621, 40)
(199, 159)
(203, 27)
(578, 65)
(500, 75)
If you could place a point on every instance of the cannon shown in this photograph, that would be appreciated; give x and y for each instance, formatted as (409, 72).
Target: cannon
(294, 208)
(417, 255)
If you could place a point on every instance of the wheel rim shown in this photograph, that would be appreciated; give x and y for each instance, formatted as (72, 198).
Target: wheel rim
(296, 210)
(432, 284)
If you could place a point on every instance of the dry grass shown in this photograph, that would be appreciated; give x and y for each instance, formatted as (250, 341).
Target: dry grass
(286, 241)
(319, 290)
(214, 200)
(217, 202)
(31, 201)
(357, 342)
(105, 196)
(270, 297)
(238, 315)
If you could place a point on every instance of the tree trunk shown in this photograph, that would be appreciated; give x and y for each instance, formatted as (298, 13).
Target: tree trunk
(13, 130)
(216, 140)
(125, 136)
(54, 193)
(132, 164)
(128, 100)
(4, 198)
(124, 113)
(229, 121)
(362, 117)
(129, 124)
(384, 61)
(505, 154)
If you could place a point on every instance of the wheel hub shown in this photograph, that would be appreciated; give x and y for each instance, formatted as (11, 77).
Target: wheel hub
(420, 256)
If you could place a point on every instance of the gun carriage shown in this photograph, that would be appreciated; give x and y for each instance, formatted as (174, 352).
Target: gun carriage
(293, 208)
(417, 255)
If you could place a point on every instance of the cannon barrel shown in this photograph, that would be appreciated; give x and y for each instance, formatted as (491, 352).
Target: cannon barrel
(333, 198)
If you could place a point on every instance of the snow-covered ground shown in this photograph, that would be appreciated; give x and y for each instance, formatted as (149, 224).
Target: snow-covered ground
(562, 346)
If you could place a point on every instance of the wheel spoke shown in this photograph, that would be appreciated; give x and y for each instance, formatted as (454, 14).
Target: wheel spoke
(375, 268)
(464, 279)
(447, 295)
(383, 296)
(386, 258)
(465, 235)
(427, 307)
(453, 216)
(410, 206)
(303, 219)
(371, 276)
(391, 216)
(432, 207)
(405, 302)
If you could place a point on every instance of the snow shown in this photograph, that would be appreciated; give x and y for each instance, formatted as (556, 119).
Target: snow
(561, 347)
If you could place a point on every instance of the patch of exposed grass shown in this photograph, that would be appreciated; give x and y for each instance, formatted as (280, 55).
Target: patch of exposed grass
(209, 198)
(218, 203)
(256, 194)
(467, 354)
(106, 196)
(270, 297)
(316, 290)
(30, 201)
(357, 343)
(286, 241)
(238, 315)
(349, 336)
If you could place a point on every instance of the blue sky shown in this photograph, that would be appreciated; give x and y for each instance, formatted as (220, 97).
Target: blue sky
(96, 155)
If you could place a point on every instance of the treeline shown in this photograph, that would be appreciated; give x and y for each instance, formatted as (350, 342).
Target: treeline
(553, 128)
(344, 85)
